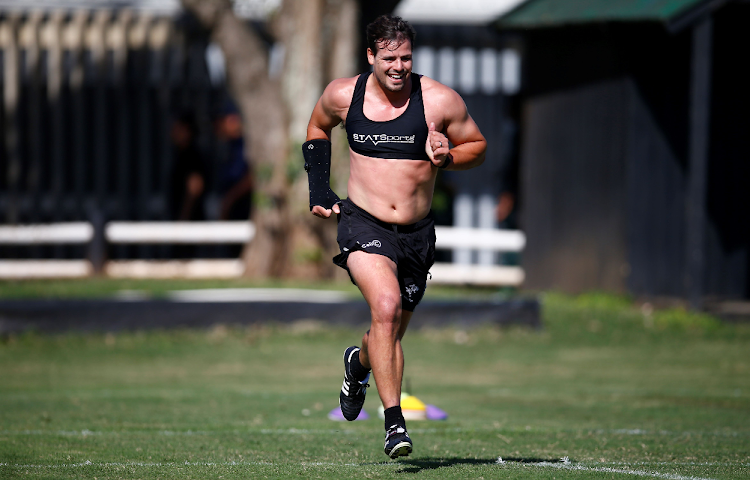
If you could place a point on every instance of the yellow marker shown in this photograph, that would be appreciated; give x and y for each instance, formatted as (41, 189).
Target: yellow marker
(413, 408)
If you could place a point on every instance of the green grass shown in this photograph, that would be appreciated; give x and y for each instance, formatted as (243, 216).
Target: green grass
(621, 392)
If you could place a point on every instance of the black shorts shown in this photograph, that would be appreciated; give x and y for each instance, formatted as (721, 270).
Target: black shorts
(411, 247)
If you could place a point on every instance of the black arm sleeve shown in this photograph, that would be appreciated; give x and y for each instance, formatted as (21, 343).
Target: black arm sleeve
(317, 155)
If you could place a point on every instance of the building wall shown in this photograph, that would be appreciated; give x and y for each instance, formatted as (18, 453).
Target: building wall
(604, 158)
(728, 232)
(573, 165)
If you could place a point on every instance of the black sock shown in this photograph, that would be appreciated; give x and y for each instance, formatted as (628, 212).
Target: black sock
(359, 371)
(393, 416)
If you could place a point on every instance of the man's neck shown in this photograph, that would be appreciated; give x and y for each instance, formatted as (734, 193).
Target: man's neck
(396, 99)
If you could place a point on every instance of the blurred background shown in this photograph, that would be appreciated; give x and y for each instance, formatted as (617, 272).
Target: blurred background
(143, 137)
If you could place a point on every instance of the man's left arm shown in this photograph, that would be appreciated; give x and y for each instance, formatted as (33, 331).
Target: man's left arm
(461, 130)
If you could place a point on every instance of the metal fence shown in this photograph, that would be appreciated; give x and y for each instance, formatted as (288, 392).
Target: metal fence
(88, 99)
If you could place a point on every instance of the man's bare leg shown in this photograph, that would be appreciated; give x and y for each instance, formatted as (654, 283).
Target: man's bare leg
(364, 356)
(376, 278)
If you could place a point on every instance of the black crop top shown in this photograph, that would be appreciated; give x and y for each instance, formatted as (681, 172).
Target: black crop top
(404, 137)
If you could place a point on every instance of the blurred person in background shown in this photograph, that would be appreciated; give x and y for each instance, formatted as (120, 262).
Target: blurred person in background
(399, 127)
(188, 172)
(235, 183)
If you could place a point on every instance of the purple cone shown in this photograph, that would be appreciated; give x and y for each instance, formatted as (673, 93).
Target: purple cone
(337, 416)
(434, 413)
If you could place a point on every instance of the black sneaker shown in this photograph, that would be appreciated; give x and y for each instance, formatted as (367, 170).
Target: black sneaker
(397, 442)
(352, 395)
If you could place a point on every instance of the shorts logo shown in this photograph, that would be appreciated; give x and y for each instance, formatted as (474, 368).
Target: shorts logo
(374, 243)
(411, 290)
(383, 138)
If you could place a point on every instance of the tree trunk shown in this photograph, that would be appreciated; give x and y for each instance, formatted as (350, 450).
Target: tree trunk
(265, 128)
(318, 44)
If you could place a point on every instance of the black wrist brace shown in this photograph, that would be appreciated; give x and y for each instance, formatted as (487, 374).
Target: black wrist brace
(317, 155)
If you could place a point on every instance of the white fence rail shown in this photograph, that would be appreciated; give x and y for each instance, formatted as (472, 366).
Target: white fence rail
(179, 232)
(228, 232)
(480, 238)
(73, 232)
(19, 269)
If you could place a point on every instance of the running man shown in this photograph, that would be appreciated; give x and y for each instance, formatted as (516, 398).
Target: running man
(400, 127)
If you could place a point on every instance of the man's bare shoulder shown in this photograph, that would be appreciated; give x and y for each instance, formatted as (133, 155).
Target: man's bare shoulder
(332, 107)
(338, 93)
(441, 99)
(432, 90)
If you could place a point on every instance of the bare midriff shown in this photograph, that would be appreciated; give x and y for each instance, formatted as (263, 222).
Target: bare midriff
(391, 190)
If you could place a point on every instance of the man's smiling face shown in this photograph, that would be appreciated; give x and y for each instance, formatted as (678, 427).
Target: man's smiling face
(392, 64)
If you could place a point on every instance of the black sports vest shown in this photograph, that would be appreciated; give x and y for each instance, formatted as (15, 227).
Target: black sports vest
(404, 137)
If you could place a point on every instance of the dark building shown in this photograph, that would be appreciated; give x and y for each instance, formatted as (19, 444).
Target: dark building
(635, 146)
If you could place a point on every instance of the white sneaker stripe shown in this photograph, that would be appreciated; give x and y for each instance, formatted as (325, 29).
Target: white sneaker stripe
(352, 353)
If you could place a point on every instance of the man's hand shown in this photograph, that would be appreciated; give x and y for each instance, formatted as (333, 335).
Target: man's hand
(321, 212)
(437, 147)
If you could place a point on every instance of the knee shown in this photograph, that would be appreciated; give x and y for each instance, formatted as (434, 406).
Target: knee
(387, 309)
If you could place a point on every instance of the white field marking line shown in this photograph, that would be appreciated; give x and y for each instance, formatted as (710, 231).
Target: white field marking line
(638, 431)
(565, 466)
(265, 431)
(639, 473)
(298, 431)
(679, 464)
(620, 431)
(85, 433)
(63, 433)
(89, 463)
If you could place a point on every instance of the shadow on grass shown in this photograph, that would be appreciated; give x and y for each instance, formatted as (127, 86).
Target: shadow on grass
(417, 465)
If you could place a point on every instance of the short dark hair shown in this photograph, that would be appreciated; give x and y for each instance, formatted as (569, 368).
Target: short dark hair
(389, 28)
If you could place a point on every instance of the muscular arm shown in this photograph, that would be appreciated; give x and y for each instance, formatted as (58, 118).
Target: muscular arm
(328, 112)
(458, 127)
(470, 144)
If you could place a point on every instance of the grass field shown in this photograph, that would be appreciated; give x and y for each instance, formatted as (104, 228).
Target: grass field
(617, 391)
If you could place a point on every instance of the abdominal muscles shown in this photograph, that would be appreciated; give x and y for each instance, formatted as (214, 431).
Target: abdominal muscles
(394, 191)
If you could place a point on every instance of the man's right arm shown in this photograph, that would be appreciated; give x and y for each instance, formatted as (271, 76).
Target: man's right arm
(328, 112)
(445, 107)
(331, 109)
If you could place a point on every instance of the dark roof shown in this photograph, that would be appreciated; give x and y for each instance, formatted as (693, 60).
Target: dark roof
(675, 14)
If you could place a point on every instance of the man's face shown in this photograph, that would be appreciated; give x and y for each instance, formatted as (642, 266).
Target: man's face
(391, 64)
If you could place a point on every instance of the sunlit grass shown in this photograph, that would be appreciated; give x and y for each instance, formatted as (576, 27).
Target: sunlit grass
(613, 387)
